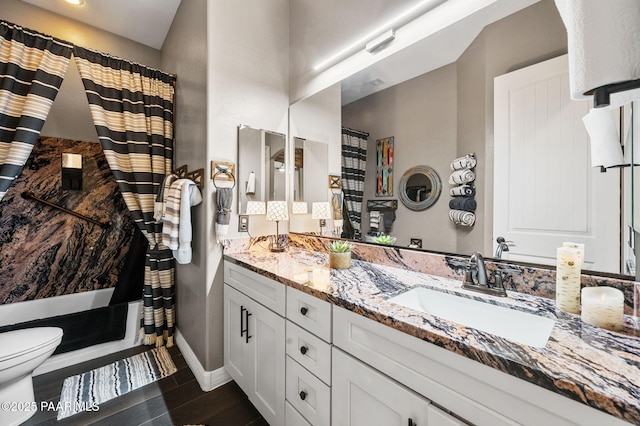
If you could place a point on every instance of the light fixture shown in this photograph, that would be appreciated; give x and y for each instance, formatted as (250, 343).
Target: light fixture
(380, 41)
(256, 207)
(321, 211)
(277, 211)
(75, 2)
(399, 19)
(300, 207)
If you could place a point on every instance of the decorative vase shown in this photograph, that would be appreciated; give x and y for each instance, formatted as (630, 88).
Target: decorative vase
(340, 260)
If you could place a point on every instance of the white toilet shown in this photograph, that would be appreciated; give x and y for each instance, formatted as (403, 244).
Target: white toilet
(21, 352)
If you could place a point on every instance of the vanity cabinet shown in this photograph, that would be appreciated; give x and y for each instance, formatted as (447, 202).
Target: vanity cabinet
(308, 364)
(362, 397)
(254, 340)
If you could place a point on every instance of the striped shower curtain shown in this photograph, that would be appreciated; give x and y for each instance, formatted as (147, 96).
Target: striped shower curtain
(132, 109)
(32, 67)
(354, 161)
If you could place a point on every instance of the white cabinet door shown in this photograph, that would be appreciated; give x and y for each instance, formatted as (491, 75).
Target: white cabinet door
(254, 353)
(237, 355)
(437, 417)
(362, 396)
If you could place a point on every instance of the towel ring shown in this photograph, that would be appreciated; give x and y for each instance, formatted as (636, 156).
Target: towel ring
(224, 172)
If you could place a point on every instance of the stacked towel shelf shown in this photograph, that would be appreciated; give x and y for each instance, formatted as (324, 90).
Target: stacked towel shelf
(463, 204)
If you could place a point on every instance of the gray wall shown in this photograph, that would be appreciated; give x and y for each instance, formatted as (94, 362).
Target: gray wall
(247, 83)
(448, 113)
(185, 53)
(421, 115)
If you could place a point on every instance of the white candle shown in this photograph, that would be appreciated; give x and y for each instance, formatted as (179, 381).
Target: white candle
(603, 307)
(577, 246)
(568, 279)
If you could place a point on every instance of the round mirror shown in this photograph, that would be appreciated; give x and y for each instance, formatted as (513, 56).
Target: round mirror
(420, 187)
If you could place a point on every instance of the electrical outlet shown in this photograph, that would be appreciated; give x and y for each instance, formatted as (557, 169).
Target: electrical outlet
(416, 242)
(243, 223)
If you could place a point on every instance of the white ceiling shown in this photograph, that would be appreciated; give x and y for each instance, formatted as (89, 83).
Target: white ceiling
(317, 30)
(144, 21)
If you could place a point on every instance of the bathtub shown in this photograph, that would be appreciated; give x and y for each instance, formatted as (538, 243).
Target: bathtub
(14, 313)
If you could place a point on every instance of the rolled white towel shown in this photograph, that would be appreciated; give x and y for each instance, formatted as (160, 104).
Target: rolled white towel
(462, 191)
(462, 176)
(461, 217)
(467, 162)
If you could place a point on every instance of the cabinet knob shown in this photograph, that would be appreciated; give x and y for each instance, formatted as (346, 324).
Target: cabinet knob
(412, 423)
(304, 310)
(303, 395)
(303, 350)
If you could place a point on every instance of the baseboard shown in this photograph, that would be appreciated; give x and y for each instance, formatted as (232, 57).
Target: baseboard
(208, 380)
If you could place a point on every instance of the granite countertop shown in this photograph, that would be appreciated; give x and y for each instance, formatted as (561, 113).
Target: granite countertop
(591, 365)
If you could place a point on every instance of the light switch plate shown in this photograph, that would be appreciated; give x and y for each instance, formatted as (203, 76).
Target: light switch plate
(243, 223)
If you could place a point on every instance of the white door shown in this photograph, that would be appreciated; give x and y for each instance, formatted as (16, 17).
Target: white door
(362, 396)
(545, 190)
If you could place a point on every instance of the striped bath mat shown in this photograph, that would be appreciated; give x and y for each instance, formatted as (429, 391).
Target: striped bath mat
(86, 391)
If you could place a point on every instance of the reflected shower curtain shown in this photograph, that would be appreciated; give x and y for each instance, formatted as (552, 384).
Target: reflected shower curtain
(132, 109)
(354, 162)
(32, 67)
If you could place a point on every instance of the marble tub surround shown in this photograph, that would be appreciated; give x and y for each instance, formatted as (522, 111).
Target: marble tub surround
(597, 367)
(536, 281)
(46, 252)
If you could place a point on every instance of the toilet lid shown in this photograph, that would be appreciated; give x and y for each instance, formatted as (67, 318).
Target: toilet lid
(17, 342)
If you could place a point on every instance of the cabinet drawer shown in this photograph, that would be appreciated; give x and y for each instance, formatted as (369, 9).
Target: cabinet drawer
(307, 394)
(310, 313)
(312, 353)
(292, 417)
(263, 290)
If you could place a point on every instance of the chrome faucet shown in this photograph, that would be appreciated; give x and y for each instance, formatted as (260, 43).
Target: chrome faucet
(475, 278)
(502, 247)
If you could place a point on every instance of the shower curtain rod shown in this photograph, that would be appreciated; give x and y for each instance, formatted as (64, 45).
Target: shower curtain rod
(28, 195)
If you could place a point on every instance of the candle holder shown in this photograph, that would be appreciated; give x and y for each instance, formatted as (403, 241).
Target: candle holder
(603, 307)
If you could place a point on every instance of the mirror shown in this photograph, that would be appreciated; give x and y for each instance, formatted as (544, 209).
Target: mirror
(261, 165)
(420, 188)
(310, 182)
(450, 109)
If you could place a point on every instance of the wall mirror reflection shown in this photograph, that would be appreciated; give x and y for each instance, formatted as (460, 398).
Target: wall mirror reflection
(261, 166)
(448, 105)
(309, 183)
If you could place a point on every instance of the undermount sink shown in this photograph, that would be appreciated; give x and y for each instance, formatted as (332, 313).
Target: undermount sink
(517, 326)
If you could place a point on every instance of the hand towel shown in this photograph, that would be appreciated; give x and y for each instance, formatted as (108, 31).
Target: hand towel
(601, 47)
(190, 196)
(374, 219)
(387, 218)
(603, 135)
(467, 162)
(161, 198)
(462, 191)
(460, 217)
(171, 218)
(467, 204)
(462, 176)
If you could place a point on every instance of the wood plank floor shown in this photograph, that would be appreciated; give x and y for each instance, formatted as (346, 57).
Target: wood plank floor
(174, 400)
